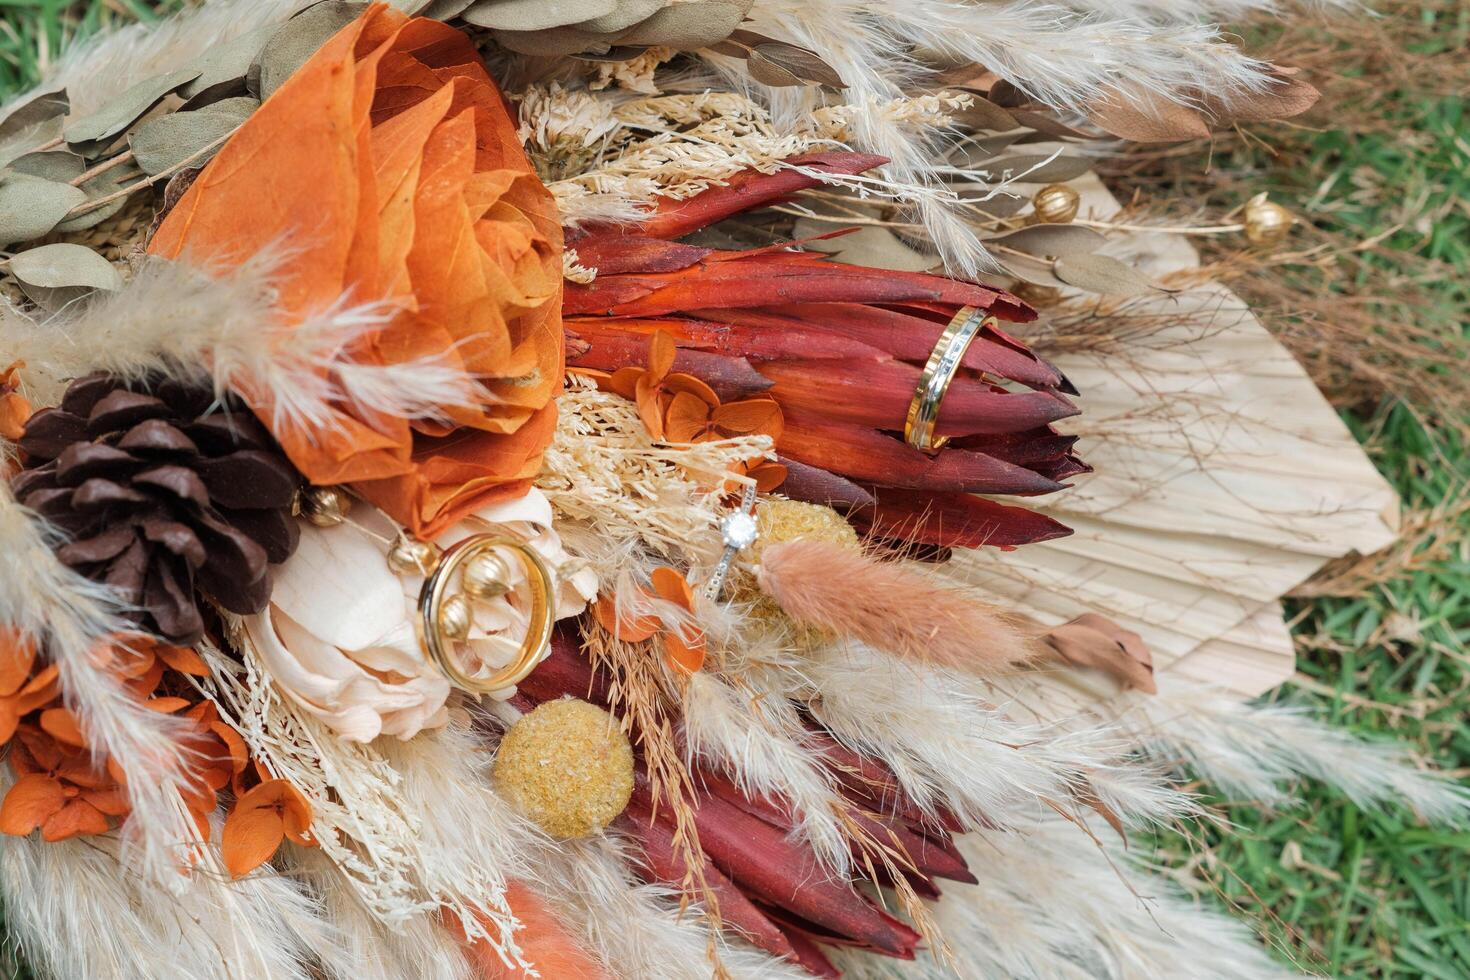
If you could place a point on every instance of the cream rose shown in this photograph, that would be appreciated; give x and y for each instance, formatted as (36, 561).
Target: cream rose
(338, 636)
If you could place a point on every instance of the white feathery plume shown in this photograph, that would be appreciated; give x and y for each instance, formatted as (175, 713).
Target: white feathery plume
(1053, 905)
(417, 947)
(1251, 751)
(949, 747)
(759, 742)
(637, 930)
(77, 912)
(69, 618)
(181, 321)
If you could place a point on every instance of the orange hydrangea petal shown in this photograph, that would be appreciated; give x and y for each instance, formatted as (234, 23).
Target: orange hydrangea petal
(687, 418)
(752, 416)
(9, 719)
(77, 819)
(627, 630)
(296, 815)
(676, 383)
(17, 656)
(167, 705)
(251, 836)
(650, 406)
(183, 660)
(111, 800)
(30, 803)
(239, 754)
(672, 586)
(63, 726)
(768, 476)
(661, 353)
(624, 381)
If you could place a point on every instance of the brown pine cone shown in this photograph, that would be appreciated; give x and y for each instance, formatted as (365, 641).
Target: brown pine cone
(162, 491)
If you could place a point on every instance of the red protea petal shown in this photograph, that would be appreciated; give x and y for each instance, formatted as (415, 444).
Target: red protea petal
(954, 520)
(818, 486)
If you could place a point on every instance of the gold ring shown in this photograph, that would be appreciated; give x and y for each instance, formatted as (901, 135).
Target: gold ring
(934, 380)
(538, 635)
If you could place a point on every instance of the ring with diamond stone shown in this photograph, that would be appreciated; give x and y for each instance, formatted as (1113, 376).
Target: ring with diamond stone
(739, 531)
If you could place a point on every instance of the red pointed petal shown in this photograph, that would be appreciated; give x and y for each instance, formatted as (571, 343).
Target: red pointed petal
(818, 486)
(955, 520)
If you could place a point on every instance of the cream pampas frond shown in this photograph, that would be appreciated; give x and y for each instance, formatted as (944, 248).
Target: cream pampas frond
(73, 619)
(174, 319)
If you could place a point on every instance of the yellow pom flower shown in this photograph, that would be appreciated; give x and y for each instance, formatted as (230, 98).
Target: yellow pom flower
(567, 766)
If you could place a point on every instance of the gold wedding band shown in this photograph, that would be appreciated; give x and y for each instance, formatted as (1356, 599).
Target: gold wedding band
(939, 372)
(436, 589)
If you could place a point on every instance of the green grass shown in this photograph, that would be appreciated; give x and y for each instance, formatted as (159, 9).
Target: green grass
(1340, 891)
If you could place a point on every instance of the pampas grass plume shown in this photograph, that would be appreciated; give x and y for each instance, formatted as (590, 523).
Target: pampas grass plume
(888, 605)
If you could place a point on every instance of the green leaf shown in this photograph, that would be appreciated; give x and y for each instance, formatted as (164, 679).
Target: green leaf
(536, 15)
(55, 275)
(105, 184)
(127, 108)
(193, 137)
(32, 206)
(1101, 274)
(296, 41)
(61, 165)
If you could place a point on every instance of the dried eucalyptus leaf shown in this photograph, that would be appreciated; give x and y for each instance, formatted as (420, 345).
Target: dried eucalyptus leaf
(1037, 169)
(1036, 271)
(688, 26)
(222, 69)
(32, 206)
(1101, 274)
(555, 43)
(33, 123)
(55, 275)
(800, 62)
(767, 72)
(59, 165)
(623, 52)
(127, 108)
(297, 40)
(104, 184)
(624, 15)
(870, 246)
(985, 116)
(438, 9)
(193, 137)
(976, 152)
(536, 15)
(1052, 241)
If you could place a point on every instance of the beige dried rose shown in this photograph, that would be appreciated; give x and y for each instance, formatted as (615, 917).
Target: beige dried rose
(338, 636)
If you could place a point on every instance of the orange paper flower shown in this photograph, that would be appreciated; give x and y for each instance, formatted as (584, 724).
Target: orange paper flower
(14, 409)
(683, 643)
(390, 166)
(266, 815)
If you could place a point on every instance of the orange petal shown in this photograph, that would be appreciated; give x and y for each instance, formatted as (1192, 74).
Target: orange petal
(753, 415)
(687, 417)
(63, 726)
(43, 688)
(78, 818)
(767, 476)
(17, 655)
(110, 800)
(673, 587)
(676, 383)
(239, 753)
(660, 355)
(30, 803)
(629, 631)
(624, 381)
(681, 656)
(9, 719)
(166, 706)
(651, 407)
(184, 660)
(251, 836)
(296, 815)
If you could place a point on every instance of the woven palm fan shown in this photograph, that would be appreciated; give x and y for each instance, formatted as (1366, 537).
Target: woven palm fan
(346, 633)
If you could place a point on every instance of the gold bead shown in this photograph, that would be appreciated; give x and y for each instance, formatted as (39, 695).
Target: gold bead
(1266, 222)
(485, 576)
(325, 506)
(456, 617)
(1056, 204)
(410, 557)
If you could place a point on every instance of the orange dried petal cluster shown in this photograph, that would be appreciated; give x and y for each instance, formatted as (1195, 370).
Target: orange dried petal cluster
(64, 791)
(14, 408)
(389, 166)
(684, 647)
(680, 408)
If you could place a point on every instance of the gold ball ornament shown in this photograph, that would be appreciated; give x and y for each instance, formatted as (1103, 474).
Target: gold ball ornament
(1056, 204)
(485, 577)
(456, 617)
(325, 506)
(567, 766)
(1266, 222)
(411, 557)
